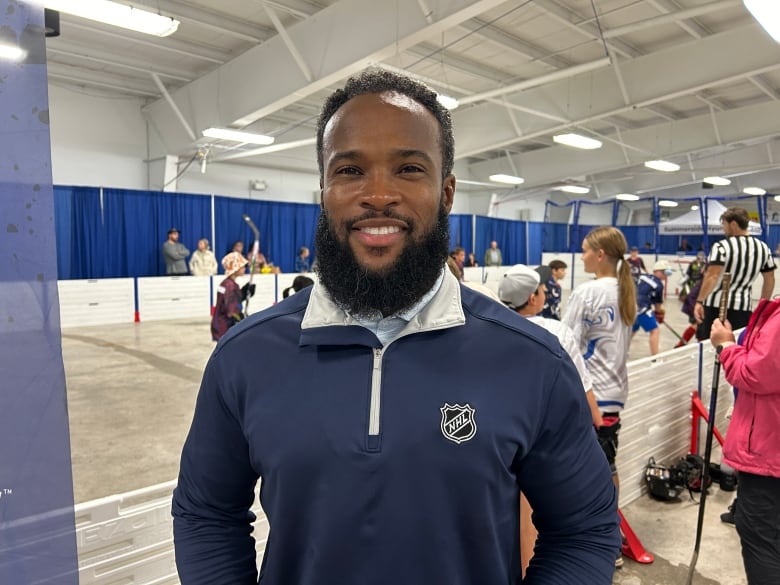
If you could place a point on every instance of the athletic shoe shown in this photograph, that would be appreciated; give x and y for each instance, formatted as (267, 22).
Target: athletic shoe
(619, 561)
(728, 517)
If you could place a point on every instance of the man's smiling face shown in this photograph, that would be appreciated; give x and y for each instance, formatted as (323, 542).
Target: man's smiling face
(382, 187)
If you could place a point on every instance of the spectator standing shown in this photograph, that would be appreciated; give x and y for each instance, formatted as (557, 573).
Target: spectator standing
(752, 444)
(360, 470)
(302, 260)
(203, 262)
(744, 257)
(175, 255)
(552, 302)
(493, 255)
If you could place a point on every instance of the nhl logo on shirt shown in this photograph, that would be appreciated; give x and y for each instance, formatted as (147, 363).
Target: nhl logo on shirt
(457, 422)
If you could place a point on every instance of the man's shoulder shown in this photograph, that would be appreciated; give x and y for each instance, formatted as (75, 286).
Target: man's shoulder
(488, 311)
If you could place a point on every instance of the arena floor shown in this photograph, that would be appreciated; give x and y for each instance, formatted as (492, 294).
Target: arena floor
(131, 391)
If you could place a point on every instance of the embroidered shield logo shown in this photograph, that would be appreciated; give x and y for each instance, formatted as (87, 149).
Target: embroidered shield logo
(457, 422)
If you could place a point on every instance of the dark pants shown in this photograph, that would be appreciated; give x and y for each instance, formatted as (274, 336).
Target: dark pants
(758, 524)
(738, 320)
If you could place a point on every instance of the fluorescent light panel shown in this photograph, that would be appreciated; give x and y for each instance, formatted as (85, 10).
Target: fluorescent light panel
(767, 13)
(667, 203)
(577, 141)
(694, 208)
(754, 191)
(117, 14)
(627, 197)
(447, 101)
(777, 198)
(719, 181)
(238, 136)
(662, 165)
(507, 179)
(575, 189)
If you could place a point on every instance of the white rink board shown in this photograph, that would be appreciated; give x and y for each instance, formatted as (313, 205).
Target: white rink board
(173, 297)
(96, 301)
(127, 538)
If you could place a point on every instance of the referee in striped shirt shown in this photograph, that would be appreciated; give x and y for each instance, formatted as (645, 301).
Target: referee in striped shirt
(745, 257)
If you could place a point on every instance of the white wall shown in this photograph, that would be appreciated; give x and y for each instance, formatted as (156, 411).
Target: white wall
(97, 141)
(232, 180)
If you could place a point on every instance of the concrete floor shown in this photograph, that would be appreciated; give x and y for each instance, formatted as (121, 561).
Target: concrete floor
(131, 392)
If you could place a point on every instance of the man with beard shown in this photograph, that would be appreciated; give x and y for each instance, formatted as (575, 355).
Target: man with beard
(381, 461)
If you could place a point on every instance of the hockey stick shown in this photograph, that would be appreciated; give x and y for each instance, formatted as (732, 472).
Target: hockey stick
(705, 476)
(669, 327)
(252, 258)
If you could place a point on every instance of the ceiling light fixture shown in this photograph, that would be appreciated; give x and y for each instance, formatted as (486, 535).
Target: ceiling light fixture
(667, 203)
(754, 191)
(11, 53)
(767, 13)
(238, 136)
(447, 101)
(507, 179)
(662, 165)
(577, 141)
(627, 197)
(719, 181)
(777, 198)
(574, 189)
(117, 14)
(694, 208)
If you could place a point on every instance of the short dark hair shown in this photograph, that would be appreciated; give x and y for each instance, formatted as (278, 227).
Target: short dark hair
(378, 81)
(736, 214)
(457, 250)
(557, 264)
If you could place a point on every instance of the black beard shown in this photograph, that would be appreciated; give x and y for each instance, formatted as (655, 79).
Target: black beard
(364, 292)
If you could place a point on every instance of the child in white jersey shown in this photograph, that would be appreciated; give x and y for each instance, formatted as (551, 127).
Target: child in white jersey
(601, 312)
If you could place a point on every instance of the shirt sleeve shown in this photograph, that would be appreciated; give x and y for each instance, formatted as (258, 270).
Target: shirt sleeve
(569, 343)
(211, 504)
(718, 254)
(567, 481)
(756, 369)
(574, 317)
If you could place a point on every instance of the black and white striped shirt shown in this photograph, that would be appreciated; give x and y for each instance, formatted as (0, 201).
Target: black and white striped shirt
(745, 257)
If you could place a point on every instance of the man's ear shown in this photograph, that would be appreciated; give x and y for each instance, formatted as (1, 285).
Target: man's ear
(448, 192)
(321, 191)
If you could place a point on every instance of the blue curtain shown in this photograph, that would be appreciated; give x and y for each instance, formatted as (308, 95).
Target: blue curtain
(509, 234)
(63, 232)
(284, 228)
(88, 236)
(139, 222)
(773, 236)
(462, 234)
(639, 235)
(577, 233)
(555, 237)
(536, 235)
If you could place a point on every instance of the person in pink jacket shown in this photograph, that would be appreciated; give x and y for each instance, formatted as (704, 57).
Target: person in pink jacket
(753, 441)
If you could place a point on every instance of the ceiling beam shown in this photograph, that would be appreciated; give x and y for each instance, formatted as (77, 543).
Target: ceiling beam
(270, 80)
(682, 70)
(671, 17)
